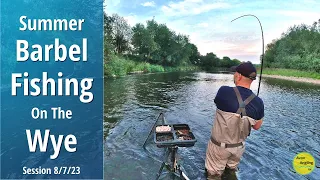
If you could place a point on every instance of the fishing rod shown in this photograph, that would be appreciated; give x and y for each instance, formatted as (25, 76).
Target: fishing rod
(262, 45)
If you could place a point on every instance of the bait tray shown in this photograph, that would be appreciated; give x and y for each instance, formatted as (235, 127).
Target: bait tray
(173, 137)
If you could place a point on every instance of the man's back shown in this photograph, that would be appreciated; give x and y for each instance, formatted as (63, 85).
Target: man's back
(226, 100)
(230, 130)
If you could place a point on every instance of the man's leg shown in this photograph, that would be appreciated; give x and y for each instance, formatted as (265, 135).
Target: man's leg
(211, 176)
(229, 174)
(233, 162)
(216, 160)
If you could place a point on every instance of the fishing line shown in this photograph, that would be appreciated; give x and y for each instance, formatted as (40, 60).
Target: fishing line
(262, 45)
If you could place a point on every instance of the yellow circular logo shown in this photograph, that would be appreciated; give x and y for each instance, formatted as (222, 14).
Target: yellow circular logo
(303, 163)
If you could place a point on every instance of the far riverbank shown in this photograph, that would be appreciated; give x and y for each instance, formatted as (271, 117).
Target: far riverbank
(291, 78)
(292, 75)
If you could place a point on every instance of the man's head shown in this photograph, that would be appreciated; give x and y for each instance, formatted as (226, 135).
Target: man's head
(244, 74)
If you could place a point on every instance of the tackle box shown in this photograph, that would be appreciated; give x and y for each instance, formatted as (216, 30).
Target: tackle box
(175, 136)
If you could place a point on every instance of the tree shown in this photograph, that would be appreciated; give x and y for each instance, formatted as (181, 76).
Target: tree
(298, 48)
(235, 62)
(121, 34)
(155, 43)
(209, 61)
(108, 40)
(143, 41)
(270, 54)
(195, 55)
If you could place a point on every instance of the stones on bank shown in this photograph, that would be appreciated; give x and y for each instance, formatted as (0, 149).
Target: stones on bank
(291, 78)
(136, 72)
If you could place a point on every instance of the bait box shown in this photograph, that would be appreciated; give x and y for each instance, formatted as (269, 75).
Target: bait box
(175, 141)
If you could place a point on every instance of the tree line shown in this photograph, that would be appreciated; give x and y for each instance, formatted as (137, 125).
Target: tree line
(155, 43)
(298, 48)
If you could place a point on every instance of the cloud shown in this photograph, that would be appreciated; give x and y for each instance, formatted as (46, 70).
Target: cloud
(290, 18)
(112, 2)
(243, 52)
(298, 17)
(300, 14)
(203, 25)
(216, 34)
(191, 7)
(149, 4)
(208, 23)
(112, 6)
(227, 46)
(131, 19)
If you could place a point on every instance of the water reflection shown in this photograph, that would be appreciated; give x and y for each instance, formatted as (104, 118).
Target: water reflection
(132, 104)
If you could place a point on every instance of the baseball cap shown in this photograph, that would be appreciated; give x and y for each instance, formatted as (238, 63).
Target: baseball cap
(246, 69)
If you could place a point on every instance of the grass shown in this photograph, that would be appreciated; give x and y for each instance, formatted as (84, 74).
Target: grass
(119, 66)
(290, 72)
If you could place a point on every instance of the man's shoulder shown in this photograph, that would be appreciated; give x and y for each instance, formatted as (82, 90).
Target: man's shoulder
(259, 106)
(223, 94)
(259, 100)
(225, 88)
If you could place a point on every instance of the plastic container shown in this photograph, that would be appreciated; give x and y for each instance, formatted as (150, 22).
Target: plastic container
(173, 136)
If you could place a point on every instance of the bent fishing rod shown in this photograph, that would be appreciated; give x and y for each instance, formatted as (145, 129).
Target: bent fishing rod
(262, 46)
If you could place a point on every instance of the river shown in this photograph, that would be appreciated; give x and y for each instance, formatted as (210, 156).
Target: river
(132, 104)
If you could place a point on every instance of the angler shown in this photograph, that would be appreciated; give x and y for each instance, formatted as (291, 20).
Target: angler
(233, 122)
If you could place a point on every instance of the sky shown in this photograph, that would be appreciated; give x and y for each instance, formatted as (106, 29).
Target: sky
(208, 22)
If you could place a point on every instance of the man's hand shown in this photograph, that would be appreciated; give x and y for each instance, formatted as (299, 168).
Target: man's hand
(257, 125)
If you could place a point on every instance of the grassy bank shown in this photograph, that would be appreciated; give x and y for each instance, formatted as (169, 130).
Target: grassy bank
(118, 66)
(290, 72)
(181, 68)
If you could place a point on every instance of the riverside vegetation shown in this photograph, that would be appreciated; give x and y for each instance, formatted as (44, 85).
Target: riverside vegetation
(296, 53)
(154, 47)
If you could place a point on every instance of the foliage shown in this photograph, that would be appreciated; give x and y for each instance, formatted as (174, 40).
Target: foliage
(154, 47)
(155, 44)
(108, 39)
(118, 34)
(298, 48)
(121, 66)
(117, 66)
(210, 61)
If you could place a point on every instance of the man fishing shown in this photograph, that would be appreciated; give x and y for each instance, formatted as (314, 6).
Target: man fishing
(238, 110)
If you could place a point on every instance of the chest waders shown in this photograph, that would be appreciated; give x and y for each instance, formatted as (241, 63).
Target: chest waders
(242, 112)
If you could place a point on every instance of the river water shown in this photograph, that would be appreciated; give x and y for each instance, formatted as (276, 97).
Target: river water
(132, 104)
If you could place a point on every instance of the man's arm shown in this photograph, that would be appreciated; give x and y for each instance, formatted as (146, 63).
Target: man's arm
(259, 116)
(258, 124)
